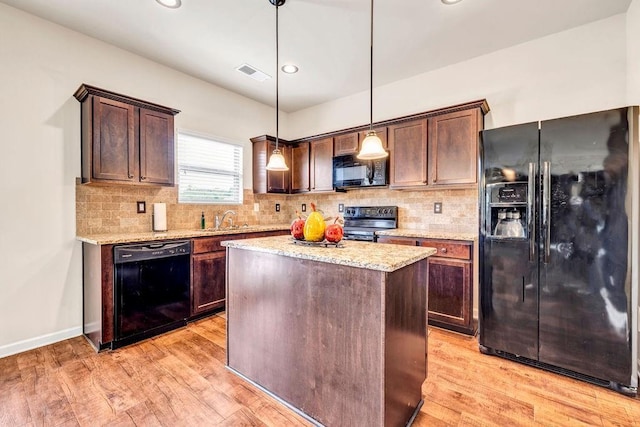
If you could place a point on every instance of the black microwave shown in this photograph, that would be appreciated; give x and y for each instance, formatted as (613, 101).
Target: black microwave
(349, 171)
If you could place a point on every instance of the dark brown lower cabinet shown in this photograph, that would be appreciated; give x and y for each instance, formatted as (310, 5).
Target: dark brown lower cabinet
(450, 305)
(449, 282)
(208, 270)
(207, 282)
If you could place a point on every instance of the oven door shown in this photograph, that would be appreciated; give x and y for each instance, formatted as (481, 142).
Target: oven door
(361, 234)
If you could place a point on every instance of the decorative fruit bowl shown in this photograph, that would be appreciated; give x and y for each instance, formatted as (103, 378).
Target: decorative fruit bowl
(322, 244)
(313, 230)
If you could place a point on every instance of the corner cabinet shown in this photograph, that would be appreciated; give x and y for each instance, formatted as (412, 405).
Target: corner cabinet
(265, 181)
(124, 139)
(449, 282)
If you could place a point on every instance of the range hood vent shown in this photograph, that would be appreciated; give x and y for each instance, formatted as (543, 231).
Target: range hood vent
(253, 72)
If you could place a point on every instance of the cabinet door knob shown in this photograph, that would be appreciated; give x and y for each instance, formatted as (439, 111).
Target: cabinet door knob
(443, 250)
(143, 178)
(130, 176)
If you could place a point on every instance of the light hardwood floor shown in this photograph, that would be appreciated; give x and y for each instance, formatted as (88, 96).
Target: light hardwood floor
(179, 379)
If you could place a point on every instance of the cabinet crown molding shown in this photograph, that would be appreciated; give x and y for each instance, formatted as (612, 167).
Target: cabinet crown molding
(85, 90)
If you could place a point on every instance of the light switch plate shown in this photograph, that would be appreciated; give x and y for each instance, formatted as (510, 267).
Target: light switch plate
(437, 207)
(256, 207)
(340, 207)
(304, 207)
(141, 207)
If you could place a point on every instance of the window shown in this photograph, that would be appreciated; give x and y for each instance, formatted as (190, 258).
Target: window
(209, 170)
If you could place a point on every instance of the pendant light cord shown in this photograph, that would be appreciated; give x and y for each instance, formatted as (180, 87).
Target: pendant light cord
(277, 80)
(371, 74)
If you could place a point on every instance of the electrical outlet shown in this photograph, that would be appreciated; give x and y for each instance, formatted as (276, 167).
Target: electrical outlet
(304, 207)
(277, 207)
(141, 207)
(437, 207)
(256, 207)
(340, 207)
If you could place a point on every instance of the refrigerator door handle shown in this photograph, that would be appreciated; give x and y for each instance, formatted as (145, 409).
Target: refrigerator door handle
(531, 215)
(546, 212)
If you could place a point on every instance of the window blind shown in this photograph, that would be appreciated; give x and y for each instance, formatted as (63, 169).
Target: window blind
(209, 171)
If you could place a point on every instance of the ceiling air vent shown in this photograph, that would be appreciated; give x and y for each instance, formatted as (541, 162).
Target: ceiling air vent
(253, 72)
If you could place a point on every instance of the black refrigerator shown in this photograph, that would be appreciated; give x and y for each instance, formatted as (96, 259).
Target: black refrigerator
(557, 287)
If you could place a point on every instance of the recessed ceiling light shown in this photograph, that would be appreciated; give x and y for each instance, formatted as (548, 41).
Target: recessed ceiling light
(451, 1)
(172, 4)
(289, 69)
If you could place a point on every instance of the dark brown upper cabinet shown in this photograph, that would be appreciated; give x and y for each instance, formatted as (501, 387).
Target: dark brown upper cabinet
(431, 150)
(439, 150)
(345, 144)
(124, 139)
(408, 154)
(453, 147)
(321, 165)
(300, 168)
(265, 181)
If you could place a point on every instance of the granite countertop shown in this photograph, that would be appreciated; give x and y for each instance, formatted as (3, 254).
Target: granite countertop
(424, 234)
(367, 255)
(113, 238)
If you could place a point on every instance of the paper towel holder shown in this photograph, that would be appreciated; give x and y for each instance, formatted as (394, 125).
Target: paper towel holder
(159, 217)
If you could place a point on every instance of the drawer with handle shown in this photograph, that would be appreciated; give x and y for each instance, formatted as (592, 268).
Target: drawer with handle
(449, 249)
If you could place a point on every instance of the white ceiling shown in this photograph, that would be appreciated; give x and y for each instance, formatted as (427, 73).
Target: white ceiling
(327, 39)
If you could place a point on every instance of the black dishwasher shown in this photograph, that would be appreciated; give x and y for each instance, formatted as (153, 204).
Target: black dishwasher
(151, 291)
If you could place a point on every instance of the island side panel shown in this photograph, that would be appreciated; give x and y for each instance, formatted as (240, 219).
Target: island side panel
(309, 332)
(405, 341)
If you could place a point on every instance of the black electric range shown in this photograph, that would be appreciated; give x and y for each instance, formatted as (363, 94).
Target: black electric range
(362, 222)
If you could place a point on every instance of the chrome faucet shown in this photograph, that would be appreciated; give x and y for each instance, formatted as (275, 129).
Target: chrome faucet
(219, 221)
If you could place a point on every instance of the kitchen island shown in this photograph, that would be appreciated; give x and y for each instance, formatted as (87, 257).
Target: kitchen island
(338, 334)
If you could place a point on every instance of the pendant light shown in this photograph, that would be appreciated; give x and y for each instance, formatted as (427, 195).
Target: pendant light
(276, 161)
(371, 145)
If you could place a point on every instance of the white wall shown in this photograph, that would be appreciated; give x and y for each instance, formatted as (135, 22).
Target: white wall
(633, 98)
(42, 65)
(633, 53)
(575, 71)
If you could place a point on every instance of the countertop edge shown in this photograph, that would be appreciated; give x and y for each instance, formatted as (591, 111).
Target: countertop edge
(423, 234)
(419, 253)
(120, 238)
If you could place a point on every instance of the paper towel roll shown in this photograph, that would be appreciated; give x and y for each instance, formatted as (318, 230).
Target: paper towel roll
(159, 217)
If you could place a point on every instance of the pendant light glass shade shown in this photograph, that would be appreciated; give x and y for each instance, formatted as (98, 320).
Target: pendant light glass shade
(276, 161)
(372, 147)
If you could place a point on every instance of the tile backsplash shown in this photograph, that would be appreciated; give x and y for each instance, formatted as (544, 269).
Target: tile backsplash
(113, 209)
